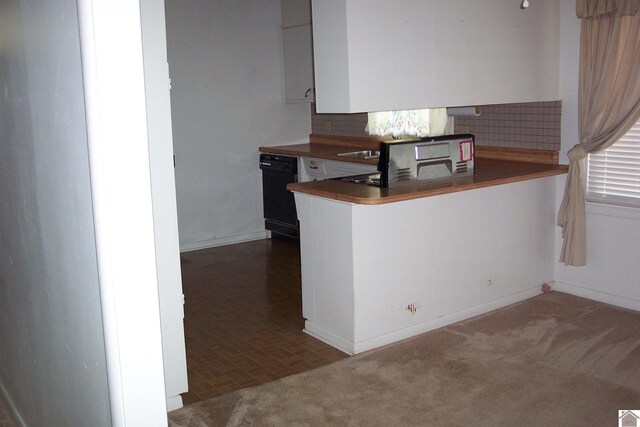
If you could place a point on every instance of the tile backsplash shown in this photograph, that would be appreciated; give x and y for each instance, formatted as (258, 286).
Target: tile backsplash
(338, 124)
(527, 125)
(534, 125)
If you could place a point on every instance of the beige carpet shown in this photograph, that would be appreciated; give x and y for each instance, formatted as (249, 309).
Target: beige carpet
(554, 360)
(5, 419)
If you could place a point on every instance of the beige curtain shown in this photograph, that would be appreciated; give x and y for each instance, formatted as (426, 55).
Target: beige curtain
(608, 103)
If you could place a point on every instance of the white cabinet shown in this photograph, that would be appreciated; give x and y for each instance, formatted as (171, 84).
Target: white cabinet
(295, 12)
(377, 55)
(298, 64)
(377, 274)
(297, 50)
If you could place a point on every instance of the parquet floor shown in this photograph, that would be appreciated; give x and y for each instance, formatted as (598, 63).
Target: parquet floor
(243, 318)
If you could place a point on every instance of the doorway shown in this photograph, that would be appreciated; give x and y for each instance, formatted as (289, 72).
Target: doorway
(243, 318)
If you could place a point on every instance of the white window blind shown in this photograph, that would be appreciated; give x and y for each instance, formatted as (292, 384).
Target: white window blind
(614, 174)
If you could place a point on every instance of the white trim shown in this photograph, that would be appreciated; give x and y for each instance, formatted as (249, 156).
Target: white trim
(174, 402)
(223, 241)
(617, 211)
(107, 293)
(163, 186)
(328, 337)
(114, 87)
(613, 200)
(445, 320)
(618, 301)
(351, 348)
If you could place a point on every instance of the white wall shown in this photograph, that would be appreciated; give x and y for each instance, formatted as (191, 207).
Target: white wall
(225, 61)
(612, 273)
(52, 356)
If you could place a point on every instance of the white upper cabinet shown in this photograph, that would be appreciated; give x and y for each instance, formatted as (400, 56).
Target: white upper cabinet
(297, 53)
(378, 55)
(297, 50)
(295, 13)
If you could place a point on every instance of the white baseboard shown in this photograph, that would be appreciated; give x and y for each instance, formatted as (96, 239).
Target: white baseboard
(11, 407)
(401, 334)
(446, 320)
(617, 300)
(174, 402)
(328, 337)
(223, 241)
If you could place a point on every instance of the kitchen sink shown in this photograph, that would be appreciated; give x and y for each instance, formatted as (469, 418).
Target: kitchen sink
(362, 154)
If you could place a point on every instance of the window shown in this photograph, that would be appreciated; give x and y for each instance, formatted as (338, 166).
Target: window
(613, 175)
(426, 122)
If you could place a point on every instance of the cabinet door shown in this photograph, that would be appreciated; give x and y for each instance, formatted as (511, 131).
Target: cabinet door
(371, 55)
(295, 12)
(298, 64)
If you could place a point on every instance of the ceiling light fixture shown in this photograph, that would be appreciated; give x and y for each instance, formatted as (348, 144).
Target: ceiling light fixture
(525, 4)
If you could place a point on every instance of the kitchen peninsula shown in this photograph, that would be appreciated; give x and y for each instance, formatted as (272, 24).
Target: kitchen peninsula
(381, 265)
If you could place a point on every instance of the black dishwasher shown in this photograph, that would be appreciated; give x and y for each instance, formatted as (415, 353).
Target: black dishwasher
(280, 215)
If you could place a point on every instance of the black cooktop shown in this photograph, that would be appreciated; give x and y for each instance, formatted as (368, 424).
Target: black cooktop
(367, 178)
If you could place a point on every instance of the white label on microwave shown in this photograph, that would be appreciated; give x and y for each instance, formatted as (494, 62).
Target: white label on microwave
(466, 151)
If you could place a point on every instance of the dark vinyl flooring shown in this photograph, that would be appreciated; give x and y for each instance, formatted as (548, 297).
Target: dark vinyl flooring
(243, 318)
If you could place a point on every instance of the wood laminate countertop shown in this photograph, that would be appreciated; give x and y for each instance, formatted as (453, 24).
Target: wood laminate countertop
(488, 172)
(494, 166)
(327, 147)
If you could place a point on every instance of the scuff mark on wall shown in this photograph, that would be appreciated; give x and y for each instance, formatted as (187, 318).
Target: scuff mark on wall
(412, 308)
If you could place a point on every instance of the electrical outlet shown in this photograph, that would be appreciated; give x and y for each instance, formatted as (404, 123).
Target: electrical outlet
(463, 129)
(327, 126)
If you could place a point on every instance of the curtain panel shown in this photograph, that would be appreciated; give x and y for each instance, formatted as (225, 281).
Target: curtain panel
(608, 103)
(588, 9)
